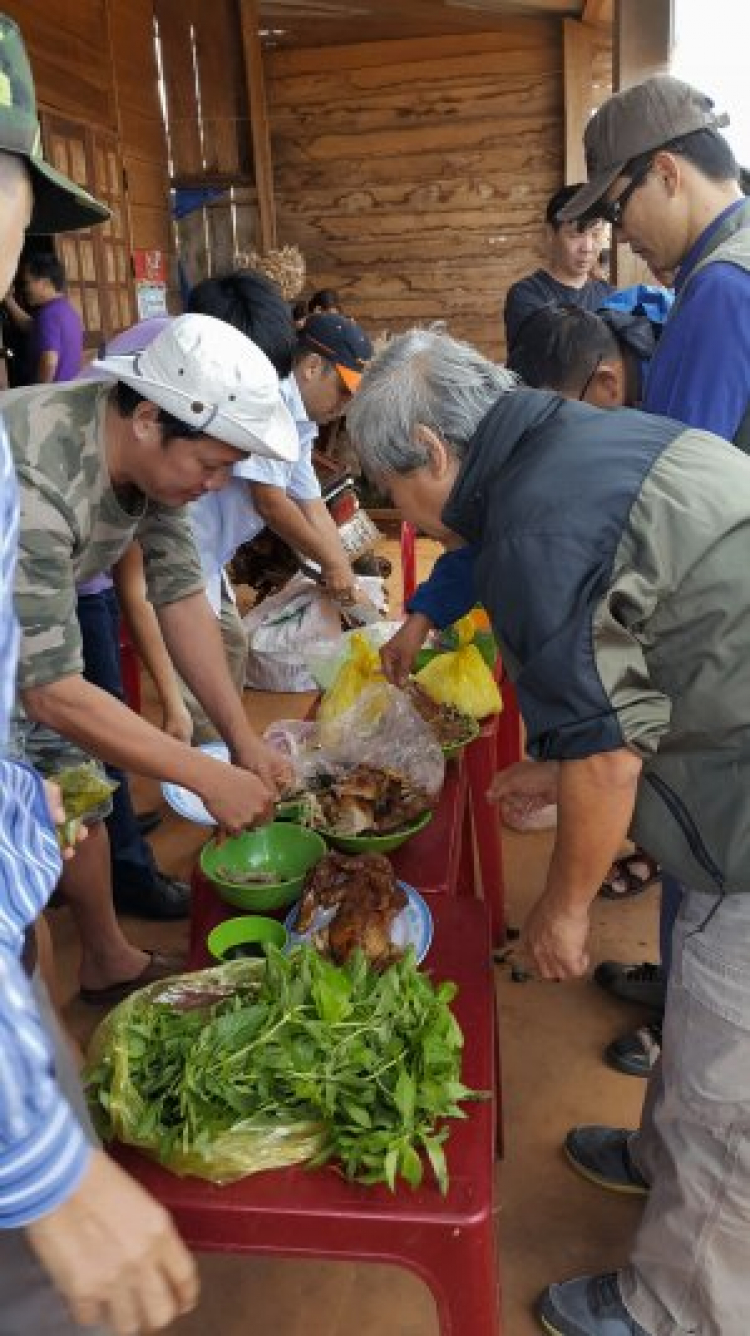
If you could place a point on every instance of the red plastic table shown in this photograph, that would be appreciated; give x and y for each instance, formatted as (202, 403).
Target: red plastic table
(448, 1241)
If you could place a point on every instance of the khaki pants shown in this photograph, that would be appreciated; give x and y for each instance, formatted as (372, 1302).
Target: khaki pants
(29, 1303)
(689, 1269)
(234, 638)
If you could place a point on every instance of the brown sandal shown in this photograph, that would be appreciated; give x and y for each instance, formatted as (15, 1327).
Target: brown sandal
(635, 873)
(158, 967)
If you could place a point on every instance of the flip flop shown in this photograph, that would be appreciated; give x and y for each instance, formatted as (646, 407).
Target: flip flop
(635, 873)
(158, 967)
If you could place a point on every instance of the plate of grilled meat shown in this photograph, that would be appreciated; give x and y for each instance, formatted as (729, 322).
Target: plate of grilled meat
(352, 903)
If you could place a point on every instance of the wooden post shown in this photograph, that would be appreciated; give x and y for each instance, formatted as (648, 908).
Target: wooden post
(258, 109)
(643, 38)
(577, 82)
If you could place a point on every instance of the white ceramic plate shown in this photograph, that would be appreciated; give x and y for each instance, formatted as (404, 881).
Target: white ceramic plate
(412, 927)
(186, 803)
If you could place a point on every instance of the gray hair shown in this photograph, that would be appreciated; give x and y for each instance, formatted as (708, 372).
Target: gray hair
(421, 378)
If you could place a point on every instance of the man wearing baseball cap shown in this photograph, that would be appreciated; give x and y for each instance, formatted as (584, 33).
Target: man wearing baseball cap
(666, 179)
(330, 342)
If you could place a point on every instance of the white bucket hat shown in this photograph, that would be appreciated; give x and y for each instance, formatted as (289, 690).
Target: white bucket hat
(215, 380)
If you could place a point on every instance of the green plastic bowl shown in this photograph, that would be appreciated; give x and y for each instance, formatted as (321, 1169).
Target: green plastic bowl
(281, 849)
(454, 748)
(375, 844)
(251, 930)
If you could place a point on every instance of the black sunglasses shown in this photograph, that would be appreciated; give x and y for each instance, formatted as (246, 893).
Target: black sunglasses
(590, 378)
(612, 210)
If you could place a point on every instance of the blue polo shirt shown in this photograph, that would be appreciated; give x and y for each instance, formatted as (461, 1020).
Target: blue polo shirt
(700, 372)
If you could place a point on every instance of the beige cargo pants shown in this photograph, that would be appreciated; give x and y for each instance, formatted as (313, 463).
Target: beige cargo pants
(689, 1269)
(234, 639)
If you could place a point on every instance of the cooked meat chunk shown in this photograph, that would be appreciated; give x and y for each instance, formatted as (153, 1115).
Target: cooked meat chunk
(367, 897)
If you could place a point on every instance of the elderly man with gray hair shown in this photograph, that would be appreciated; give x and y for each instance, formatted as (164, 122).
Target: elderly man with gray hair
(612, 559)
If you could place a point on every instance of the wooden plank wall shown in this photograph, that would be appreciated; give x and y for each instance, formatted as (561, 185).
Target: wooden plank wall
(141, 127)
(79, 75)
(414, 174)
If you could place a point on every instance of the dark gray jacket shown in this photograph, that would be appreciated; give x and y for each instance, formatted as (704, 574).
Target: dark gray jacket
(613, 561)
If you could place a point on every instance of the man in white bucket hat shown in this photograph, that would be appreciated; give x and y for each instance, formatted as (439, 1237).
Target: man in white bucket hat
(101, 462)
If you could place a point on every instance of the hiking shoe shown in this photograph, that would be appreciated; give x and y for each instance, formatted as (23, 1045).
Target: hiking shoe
(602, 1154)
(645, 983)
(636, 1053)
(163, 898)
(588, 1306)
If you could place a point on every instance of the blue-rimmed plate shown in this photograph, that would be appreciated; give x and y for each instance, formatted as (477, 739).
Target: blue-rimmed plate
(187, 804)
(412, 927)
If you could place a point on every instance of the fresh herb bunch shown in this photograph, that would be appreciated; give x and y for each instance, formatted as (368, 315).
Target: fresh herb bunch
(371, 1062)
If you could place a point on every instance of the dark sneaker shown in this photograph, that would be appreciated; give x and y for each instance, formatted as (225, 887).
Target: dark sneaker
(602, 1154)
(164, 898)
(645, 984)
(588, 1306)
(637, 1053)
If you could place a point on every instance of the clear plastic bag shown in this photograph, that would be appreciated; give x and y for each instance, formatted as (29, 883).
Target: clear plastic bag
(381, 728)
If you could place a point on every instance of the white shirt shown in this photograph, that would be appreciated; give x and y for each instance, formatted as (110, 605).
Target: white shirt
(222, 521)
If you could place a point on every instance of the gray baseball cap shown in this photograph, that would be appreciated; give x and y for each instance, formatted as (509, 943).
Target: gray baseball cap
(644, 117)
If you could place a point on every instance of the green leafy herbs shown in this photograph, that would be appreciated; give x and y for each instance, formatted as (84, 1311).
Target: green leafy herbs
(305, 1059)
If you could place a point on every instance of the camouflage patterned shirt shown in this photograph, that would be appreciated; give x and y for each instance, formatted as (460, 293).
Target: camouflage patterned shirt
(75, 525)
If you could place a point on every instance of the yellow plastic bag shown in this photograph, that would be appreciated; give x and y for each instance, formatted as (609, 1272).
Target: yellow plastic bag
(462, 678)
(361, 669)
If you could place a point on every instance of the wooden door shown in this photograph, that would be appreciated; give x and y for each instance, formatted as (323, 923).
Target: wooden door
(97, 260)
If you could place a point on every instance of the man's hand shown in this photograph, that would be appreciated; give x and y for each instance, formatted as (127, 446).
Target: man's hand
(340, 583)
(270, 766)
(114, 1255)
(235, 797)
(70, 833)
(555, 940)
(398, 654)
(177, 721)
(526, 782)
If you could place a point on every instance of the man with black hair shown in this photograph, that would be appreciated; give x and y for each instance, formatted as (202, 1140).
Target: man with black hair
(566, 277)
(319, 368)
(252, 303)
(52, 324)
(596, 356)
(324, 301)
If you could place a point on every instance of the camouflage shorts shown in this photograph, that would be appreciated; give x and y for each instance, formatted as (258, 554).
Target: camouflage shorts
(49, 753)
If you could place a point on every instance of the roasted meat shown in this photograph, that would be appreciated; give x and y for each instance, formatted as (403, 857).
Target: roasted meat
(367, 899)
(449, 724)
(367, 800)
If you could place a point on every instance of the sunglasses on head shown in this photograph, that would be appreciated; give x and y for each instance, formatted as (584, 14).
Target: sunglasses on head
(612, 211)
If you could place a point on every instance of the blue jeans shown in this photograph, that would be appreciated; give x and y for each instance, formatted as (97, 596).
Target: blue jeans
(133, 865)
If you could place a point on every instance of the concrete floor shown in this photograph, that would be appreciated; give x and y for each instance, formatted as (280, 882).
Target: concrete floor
(551, 1223)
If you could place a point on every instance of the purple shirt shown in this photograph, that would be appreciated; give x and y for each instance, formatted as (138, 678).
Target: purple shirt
(57, 329)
